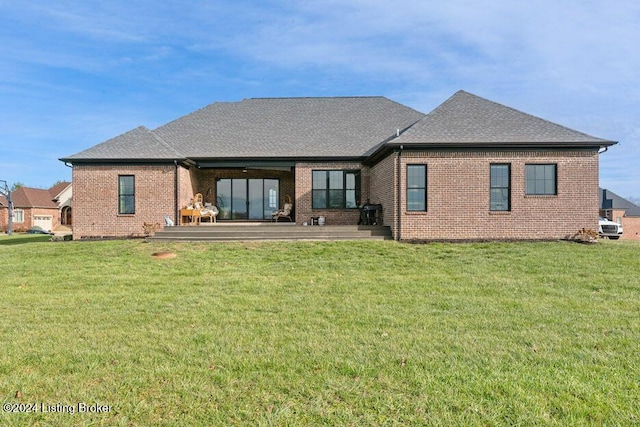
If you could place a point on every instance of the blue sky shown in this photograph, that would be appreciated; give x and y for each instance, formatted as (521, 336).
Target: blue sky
(76, 73)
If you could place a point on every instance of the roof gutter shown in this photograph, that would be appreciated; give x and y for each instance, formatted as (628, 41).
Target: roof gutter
(101, 162)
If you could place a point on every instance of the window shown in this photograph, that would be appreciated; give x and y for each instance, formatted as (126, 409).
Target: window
(416, 187)
(18, 215)
(335, 189)
(541, 179)
(500, 187)
(126, 194)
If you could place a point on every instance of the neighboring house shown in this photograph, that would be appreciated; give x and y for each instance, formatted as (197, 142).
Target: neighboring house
(35, 207)
(470, 169)
(62, 196)
(622, 211)
(4, 211)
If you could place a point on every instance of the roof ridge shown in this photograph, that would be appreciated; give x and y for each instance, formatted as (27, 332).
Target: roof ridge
(166, 145)
(319, 97)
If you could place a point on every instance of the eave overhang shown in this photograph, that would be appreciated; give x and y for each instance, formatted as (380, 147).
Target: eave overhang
(241, 162)
(391, 147)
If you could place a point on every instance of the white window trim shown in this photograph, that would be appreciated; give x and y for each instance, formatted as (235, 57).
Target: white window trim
(18, 213)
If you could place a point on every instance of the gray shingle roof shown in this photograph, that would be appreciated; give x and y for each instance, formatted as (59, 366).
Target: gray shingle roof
(137, 144)
(348, 127)
(265, 128)
(289, 127)
(469, 119)
(610, 200)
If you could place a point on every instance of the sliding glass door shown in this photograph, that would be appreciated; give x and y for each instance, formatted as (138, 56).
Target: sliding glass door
(248, 199)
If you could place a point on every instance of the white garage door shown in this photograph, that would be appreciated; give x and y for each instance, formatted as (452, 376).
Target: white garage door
(44, 221)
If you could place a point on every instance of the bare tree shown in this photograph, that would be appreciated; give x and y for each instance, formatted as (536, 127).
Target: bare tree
(634, 200)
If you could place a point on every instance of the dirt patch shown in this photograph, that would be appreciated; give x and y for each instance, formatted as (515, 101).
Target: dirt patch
(163, 255)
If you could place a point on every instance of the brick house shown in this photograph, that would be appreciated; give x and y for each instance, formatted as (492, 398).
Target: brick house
(622, 211)
(37, 207)
(470, 169)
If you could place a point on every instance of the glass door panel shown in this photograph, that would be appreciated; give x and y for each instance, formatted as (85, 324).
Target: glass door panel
(239, 199)
(223, 202)
(255, 199)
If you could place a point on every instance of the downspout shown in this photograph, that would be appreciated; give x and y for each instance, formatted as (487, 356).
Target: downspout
(399, 196)
(175, 194)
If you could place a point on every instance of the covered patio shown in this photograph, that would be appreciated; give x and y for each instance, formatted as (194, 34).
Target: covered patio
(244, 191)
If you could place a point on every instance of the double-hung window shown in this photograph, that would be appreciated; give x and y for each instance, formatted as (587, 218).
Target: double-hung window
(335, 189)
(500, 187)
(126, 194)
(18, 215)
(416, 187)
(541, 179)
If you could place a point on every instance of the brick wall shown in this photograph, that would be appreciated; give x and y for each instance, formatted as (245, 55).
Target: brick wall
(384, 190)
(631, 228)
(458, 196)
(303, 199)
(4, 219)
(95, 198)
(186, 188)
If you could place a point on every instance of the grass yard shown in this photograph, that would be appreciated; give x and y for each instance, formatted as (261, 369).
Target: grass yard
(312, 333)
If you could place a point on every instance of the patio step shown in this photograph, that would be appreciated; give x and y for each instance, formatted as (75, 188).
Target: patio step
(270, 231)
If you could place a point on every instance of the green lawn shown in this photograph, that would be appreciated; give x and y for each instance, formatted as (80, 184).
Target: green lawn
(312, 333)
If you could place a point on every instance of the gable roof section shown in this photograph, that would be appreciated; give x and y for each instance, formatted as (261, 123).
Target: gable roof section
(469, 120)
(57, 189)
(610, 200)
(139, 144)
